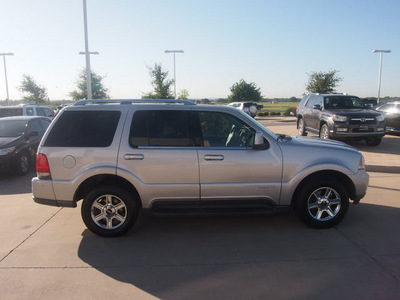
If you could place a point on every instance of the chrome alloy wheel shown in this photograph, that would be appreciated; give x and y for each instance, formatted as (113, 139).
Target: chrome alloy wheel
(109, 212)
(324, 204)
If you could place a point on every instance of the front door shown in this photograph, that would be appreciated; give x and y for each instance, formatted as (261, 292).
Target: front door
(230, 169)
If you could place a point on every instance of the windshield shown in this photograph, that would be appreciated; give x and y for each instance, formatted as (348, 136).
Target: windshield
(252, 120)
(12, 128)
(343, 102)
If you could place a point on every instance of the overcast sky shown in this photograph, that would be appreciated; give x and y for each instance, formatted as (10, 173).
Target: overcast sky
(273, 43)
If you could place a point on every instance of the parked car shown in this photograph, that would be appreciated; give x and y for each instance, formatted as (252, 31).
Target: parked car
(370, 102)
(249, 108)
(341, 117)
(19, 140)
(120, 156)
(26, 110)
(391, 111)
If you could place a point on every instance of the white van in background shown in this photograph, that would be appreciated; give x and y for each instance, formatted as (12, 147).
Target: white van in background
(26, 110)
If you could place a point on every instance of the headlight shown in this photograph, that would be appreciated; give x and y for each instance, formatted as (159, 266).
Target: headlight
(380, 118)
(5, 151)
(338, 118)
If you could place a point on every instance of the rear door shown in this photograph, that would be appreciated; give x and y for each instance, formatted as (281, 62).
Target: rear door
(158, 153)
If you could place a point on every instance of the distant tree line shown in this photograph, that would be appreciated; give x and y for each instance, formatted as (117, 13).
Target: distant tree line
(318, 82)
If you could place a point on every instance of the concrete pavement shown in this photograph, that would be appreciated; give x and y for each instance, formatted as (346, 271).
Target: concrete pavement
(47, 253)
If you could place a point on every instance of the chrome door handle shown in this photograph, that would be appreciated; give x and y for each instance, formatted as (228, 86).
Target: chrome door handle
(213, 157)
(133, 156)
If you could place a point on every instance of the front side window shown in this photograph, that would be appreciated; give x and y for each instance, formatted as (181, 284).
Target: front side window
(224, 130)
(84, 129)
(163, 128)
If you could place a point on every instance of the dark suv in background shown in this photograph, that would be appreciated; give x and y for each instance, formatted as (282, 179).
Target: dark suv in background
(341, 117)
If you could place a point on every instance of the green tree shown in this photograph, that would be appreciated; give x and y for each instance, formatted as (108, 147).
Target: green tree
(33, 92)
(160, 83)
(323, 82)
(98, 89)
(243, 91)
(183, 95)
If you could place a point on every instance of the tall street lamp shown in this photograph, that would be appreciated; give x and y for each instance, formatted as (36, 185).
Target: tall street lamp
(87, 53)
(5, 72)
(174, 51)
(380, 69)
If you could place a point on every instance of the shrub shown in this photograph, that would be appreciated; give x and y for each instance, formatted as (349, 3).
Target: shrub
(291, 111)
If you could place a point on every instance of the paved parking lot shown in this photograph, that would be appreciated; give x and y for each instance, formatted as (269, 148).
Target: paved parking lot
(46, 253)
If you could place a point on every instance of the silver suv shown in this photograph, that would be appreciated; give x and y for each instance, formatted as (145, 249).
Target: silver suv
(120, 156)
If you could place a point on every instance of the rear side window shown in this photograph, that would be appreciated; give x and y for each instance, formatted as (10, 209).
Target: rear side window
(160, 128)
(84, 129)
(9, 112)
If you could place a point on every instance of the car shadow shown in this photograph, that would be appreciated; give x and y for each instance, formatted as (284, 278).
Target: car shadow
(204, 257)
(12, 184)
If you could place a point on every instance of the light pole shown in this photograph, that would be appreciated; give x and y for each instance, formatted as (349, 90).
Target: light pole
(174, 51)
(5, 72)
(87, 53)
(380, 70)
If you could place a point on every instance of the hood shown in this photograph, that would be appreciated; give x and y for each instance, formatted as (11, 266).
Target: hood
(5, 141)
(320, 143)
(354, 112)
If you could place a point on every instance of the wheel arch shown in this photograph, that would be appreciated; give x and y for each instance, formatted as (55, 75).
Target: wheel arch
(105, 179)
(327, 174)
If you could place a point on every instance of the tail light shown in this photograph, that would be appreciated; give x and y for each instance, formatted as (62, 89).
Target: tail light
(42, 167)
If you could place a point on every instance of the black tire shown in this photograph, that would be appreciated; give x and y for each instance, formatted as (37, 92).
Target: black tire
(324, 132)
(373, 141)
(109, 211)
(322, 203)
(22, 164)
(301, 128)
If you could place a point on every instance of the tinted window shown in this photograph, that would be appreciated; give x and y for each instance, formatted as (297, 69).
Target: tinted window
(160, 128)
(34, 125)
(12, 128)
(84, 129)
(29, 111)
(8, 112)
(44, 111)
(311, 101)
(45, 123)
(224, 130)
(343, 102)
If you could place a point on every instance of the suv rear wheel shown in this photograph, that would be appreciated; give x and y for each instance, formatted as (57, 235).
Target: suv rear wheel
(301, 128)
(109, 211)
(322, 203)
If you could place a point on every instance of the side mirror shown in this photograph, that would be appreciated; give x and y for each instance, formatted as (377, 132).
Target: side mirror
(368, 106)
(317, 106)
(260, 143)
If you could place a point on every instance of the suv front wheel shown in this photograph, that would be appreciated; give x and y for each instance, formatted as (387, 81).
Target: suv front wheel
(373, 141)
(109, 211)
(322, 203)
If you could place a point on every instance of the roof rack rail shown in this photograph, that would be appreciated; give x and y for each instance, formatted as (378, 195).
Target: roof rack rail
(132, 101)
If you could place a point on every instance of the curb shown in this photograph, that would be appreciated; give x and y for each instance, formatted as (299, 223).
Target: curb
(383, 169)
